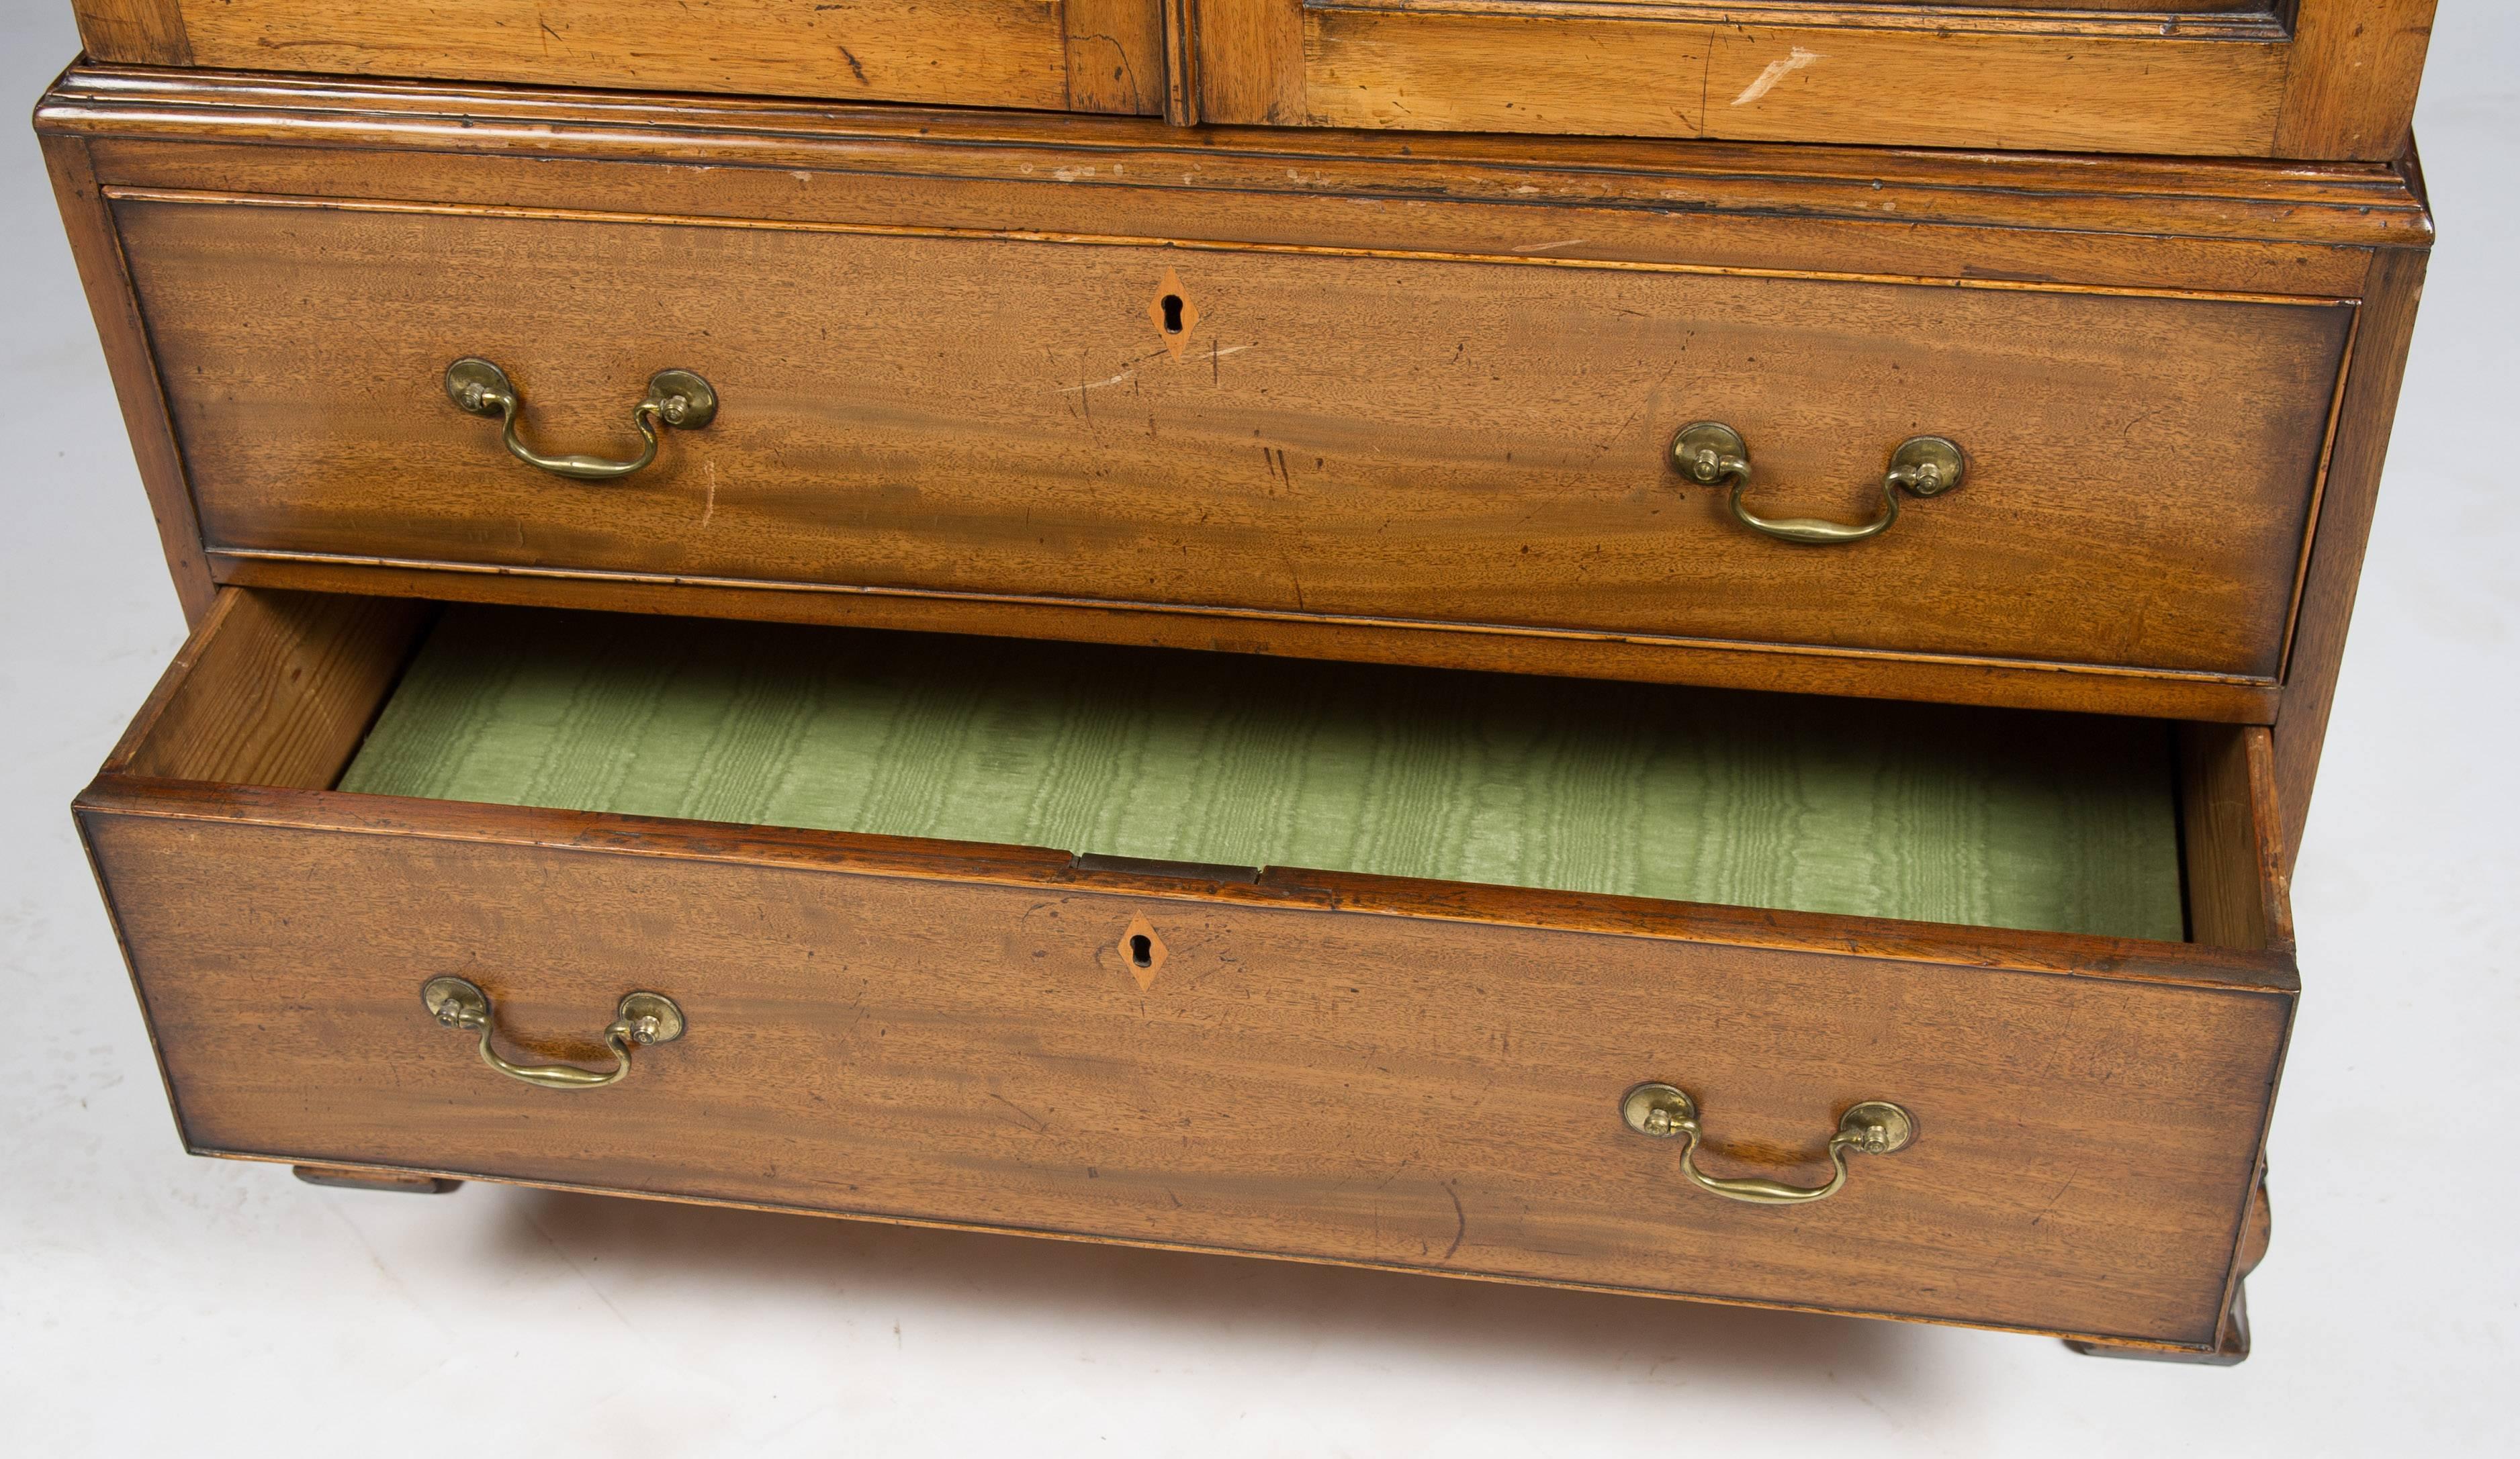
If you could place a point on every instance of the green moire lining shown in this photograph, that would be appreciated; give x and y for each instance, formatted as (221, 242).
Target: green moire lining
(1992, 818)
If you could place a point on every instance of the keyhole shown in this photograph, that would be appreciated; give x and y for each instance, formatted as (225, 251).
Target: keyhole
(1142, 951)
(1172, 314)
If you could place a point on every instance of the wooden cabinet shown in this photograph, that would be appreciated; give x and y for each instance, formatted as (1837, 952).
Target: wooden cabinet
(1717, 709)
(2270, 78)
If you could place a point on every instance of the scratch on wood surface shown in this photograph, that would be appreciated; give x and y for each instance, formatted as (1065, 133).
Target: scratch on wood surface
(1564, 242)
(1122, 378)
(709, 470)
(1776, 71)
(1030, 1118)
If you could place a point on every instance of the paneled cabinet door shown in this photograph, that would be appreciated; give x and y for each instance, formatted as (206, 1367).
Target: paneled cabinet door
(2286, 78)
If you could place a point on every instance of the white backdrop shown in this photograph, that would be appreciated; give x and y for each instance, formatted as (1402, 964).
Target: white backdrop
(151, 1299)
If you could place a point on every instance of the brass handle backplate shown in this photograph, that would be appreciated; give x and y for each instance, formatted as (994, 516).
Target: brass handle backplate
(675, 397)
(1709, 453)
(1874, 1126)
(644, 1018)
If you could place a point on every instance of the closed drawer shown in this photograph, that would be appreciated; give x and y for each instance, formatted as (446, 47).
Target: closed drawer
(1080, 55)
(1343, 1066)
(1245, 438)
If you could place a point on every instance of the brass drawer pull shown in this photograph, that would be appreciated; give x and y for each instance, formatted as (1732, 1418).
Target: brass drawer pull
(675, 397)
(1708, 453)
(646, 1018)
(1876, 1126)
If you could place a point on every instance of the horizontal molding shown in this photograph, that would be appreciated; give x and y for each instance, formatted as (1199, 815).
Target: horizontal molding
(2062, 20)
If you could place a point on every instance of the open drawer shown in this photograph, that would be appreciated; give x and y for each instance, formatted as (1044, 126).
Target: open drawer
(1430, 1072)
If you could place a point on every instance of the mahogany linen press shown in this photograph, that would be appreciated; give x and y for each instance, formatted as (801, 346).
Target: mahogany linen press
(1671, 647)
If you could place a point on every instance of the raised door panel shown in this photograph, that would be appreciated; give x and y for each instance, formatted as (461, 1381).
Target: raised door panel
(1080, 55)
(2331, 78)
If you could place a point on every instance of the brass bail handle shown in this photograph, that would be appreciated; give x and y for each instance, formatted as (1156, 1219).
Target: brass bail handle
(675, 397)
(644, 1018)
(1709, 452)
(1874, 1126)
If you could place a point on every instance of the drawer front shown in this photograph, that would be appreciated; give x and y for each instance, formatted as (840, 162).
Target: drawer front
(1081, 55)
(1393, 1091)
(2331, 78)
(1480, 444)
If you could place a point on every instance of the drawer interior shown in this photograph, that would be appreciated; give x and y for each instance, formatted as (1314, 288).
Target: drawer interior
(1924, 813)
(1224, 764)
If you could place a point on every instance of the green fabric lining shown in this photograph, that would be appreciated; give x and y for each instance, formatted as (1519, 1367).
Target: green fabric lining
(1984, 818)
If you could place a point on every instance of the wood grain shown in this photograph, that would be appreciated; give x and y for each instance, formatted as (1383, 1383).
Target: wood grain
(2117, 214)
(1250, 62)
(1003, 53)
(2235, 874)
(2334, 568)
(1181, 62)
(1268, 1093)
(1642, 659)
(1503, 73)
(1465, 205)
(2194, 965)
(105, 275)
(1463, 481)
(2070, 19)
(2339, 83)
(2152, 93)
(1912, 812)
(1373, 66)
(2351, 87)
(273, 689)
(140, 32)
(1115, 56)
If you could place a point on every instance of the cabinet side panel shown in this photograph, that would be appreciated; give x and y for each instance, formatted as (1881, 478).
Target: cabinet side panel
(2344, 529)
(96, 246)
